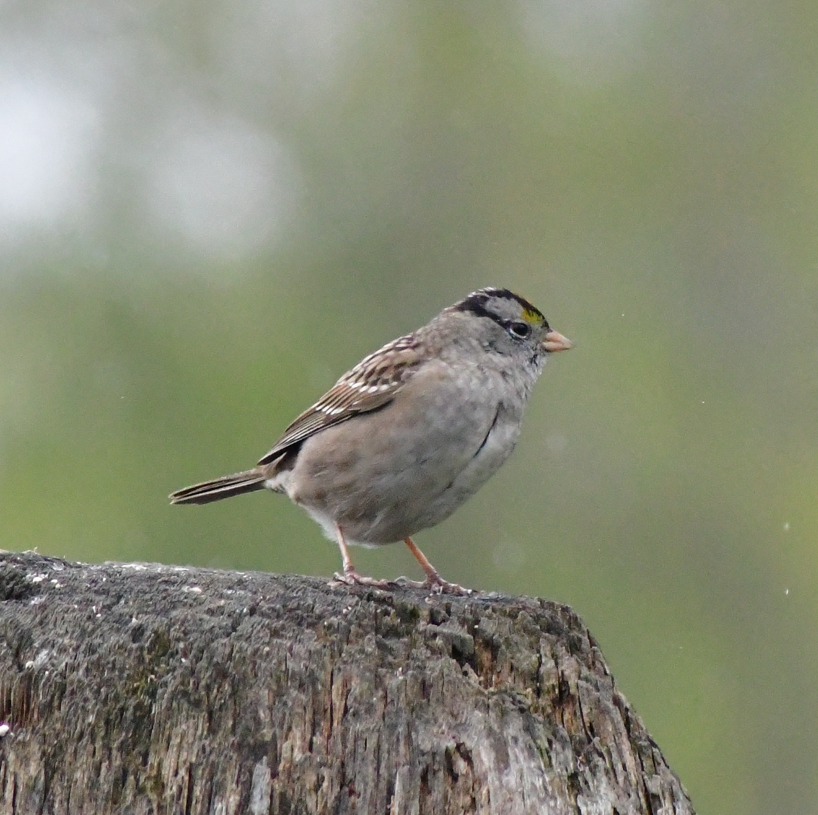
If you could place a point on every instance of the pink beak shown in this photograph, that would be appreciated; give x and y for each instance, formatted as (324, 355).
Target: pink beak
(554, 341)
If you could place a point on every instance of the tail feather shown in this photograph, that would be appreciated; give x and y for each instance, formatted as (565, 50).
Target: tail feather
(225, 487)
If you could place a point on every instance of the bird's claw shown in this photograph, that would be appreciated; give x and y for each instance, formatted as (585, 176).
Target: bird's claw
(353, 578)
(434, 585)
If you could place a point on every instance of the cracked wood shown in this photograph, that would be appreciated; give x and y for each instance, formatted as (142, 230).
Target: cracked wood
(154, 689)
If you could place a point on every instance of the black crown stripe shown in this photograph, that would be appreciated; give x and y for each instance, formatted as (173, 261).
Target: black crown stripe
(476, 303)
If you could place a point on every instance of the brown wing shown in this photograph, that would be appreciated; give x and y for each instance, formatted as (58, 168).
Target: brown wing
(371, 384)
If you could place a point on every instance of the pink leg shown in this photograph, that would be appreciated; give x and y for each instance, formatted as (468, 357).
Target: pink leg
(433, 579)
(350, 576)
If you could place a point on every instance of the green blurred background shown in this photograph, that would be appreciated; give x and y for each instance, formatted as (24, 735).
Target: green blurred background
(209, 211)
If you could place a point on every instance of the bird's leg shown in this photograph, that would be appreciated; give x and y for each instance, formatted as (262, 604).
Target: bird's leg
(350, 576)
(433, 579)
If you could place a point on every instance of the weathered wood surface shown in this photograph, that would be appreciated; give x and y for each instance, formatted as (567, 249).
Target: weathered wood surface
(153, 689)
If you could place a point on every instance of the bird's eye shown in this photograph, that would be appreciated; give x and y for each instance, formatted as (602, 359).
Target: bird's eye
(519, 329)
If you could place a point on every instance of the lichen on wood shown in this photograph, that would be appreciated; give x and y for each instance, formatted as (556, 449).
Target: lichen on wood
(155, 689)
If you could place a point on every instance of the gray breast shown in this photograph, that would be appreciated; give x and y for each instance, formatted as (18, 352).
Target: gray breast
(385, 475)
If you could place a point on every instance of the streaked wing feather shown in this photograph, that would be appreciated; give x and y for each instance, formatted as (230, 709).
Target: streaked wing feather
(370, 385)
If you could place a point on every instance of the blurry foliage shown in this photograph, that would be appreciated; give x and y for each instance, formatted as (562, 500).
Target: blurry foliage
(208, 213)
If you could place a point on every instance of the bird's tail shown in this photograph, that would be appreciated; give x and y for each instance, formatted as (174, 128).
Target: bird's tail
(225, 487)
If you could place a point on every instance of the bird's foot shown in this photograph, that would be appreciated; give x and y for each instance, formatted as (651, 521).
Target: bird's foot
(434, 585)
(351, 578)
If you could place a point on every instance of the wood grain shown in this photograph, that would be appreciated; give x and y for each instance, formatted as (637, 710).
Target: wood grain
(153, 689)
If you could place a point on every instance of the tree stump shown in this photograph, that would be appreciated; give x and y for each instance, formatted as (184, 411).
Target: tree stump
(130, 688)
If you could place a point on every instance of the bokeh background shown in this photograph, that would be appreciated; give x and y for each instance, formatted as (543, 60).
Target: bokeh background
(209, 211)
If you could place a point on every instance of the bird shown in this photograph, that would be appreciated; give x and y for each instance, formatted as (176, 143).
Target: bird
(410, 433)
